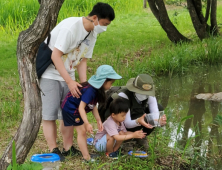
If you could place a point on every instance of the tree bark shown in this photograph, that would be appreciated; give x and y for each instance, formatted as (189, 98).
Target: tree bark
(213, 18)
(198, 7)
(208, 10)
(199, 23)
(27, 46)
(144, 3)
(159, 10)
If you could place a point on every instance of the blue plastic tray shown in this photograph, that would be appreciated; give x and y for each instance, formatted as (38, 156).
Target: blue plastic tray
(140, 154)
(46, 157)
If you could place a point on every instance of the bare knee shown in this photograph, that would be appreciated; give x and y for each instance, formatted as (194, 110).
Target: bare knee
(81, 132)
(109, 138)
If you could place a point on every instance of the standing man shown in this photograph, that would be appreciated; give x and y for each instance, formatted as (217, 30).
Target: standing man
(72, 42)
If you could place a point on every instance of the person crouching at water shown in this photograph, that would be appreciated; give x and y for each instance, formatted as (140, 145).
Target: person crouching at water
(114, 132)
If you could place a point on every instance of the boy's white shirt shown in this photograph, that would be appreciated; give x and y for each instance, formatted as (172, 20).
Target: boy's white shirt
(153, 107)
(66, 37)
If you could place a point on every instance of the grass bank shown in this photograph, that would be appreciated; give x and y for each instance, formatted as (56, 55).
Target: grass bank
(134, 43)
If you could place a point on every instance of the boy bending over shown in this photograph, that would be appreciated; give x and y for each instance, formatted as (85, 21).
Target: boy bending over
(114, 131)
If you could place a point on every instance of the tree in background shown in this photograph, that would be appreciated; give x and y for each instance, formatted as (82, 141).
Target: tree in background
(195, 7)
(159, 10)
(27, 46)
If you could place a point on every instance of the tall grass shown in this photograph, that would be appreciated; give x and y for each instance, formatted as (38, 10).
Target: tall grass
(18, 15)
(178, 58)
(25, 166)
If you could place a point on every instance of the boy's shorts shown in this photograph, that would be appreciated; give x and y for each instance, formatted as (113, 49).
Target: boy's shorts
(101, 144)
(54, 93)
(71, 120)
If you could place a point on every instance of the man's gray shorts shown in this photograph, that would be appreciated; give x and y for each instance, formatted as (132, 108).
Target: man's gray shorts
(55, 91)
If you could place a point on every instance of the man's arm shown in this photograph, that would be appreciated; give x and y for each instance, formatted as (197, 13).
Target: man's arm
(82, 68)
(57, 60)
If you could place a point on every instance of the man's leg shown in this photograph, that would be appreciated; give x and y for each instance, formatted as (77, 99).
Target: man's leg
(49, 130)
(62, 128)
(50, 106)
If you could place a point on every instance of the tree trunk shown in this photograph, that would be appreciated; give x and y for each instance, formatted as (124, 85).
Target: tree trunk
(198, 7)
(144, 3)
(159, 10)
(199, 23)
(208, 10)
(27, 46)
(213, 18)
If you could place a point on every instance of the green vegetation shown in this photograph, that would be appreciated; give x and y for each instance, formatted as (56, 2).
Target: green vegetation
(25, 166)
(134, 43)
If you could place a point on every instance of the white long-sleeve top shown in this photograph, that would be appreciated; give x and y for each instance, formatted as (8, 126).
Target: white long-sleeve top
(153, 107)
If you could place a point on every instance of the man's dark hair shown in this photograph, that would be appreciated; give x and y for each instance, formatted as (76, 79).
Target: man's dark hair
(118, 105)
(103, 11)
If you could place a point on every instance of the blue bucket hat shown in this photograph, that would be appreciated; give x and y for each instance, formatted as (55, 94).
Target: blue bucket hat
(102, 73)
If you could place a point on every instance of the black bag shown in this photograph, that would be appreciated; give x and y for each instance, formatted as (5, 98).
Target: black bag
(43, 59)
(110, 95)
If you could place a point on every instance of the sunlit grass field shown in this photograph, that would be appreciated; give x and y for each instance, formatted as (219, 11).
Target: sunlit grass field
(134, 43)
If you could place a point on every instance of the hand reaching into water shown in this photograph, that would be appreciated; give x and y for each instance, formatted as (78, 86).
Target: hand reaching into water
(143, 123)
(163, 120)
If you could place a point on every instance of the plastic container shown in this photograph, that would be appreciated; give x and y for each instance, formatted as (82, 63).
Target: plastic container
(49, 161)
(154, 118)
(90, 141)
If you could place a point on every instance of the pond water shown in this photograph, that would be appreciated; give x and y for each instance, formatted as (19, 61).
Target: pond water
(201, 135)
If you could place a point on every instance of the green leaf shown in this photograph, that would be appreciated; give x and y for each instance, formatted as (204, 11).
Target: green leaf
(14, 164)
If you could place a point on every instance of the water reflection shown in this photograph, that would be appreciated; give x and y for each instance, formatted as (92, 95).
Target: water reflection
(200, 135)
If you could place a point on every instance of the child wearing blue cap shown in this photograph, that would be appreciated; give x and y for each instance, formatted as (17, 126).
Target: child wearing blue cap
(74, 110)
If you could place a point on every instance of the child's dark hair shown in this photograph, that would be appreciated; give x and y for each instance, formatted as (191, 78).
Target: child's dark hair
(101, 95)
(103, 11)
(118, 105)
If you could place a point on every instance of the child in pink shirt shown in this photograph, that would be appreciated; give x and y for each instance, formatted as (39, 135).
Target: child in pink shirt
(114, 131)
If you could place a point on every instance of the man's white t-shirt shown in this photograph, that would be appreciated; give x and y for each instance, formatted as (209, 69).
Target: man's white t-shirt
(66, 37)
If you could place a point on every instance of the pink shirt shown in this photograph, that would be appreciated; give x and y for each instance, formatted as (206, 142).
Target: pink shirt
(111, 128)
